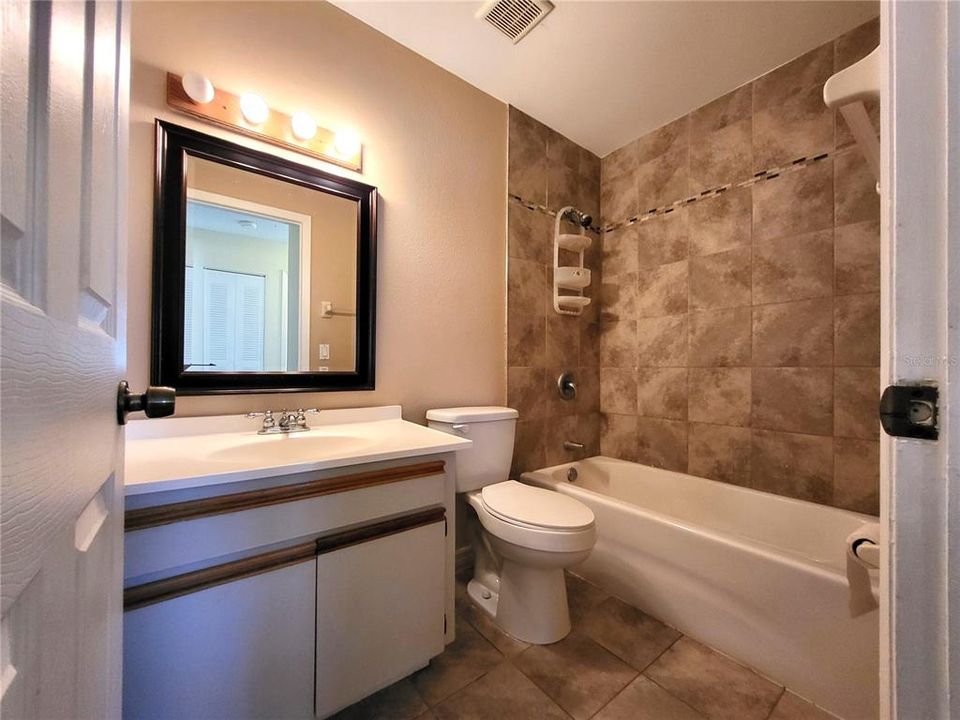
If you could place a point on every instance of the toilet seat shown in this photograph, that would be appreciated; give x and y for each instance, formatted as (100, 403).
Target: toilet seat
(534, 507)
(536, 537)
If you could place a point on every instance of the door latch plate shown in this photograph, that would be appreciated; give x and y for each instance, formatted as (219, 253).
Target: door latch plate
(910, 411)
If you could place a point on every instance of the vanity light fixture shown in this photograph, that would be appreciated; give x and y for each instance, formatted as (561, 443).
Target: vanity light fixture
(254, 108)
(198, 88)
(249, 115)
(304, 126)
(346, 142)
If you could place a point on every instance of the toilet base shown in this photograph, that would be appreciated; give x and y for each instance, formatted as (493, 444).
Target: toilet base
(531, 605)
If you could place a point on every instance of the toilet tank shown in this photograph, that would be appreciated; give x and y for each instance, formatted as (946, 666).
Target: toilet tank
(491, 429)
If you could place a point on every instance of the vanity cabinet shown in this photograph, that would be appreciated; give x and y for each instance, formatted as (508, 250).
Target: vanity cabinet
(291, 597)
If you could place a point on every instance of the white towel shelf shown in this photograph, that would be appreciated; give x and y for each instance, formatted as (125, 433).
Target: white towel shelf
(846, 91)
(570, 278)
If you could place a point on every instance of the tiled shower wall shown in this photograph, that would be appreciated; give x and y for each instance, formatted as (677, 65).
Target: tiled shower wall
(548, 172)
(740, 330)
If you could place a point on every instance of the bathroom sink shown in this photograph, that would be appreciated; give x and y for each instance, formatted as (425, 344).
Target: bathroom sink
(288, 449)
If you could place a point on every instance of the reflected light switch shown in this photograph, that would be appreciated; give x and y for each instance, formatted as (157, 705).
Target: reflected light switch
(324, 351)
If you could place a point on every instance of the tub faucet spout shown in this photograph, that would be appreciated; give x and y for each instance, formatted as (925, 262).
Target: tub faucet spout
(570, 445)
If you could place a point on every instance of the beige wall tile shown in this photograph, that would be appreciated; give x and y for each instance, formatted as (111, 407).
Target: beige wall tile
(525, 392)
(794, 203)
(527, 287)
(662, 443)
(618, 198)
(662, 392)
(721, 223)
(620, 253)
(663, 179)
(720, 396)
(793, 268)
(622, 161)
(528, 447)
(589, 344)
(720, 337)
(857, 197)
(662, 290)
(662, 239)
(857, 256)
(670, 138)
(529, 234)
(618, 343)
(856, 484)
(720, 113)
(662, 342)
(794, 465)
(722, 156)
(563, 152)
(856, 44)
(857, 330)
(618, 436)
(527, 158)
(720, 453)
(563, 187)
(526, 339)
(720, 280)
(793, 399)
(563, 340)
(800, 126)
(856, 392)
(808, 70)
(590, 167)
(618, 391)
(618, 301)
(793, 333)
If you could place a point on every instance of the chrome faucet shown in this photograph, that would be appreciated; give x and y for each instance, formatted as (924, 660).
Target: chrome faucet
(570, 445)
(286, 422)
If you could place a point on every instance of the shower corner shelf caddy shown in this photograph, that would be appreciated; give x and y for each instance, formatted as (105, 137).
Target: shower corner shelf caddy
(570, 278)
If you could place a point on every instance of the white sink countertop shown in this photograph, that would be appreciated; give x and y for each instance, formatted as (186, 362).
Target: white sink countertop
(179, 453)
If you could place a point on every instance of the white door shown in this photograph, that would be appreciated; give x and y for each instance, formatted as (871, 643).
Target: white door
(920, 479)
(65, 75)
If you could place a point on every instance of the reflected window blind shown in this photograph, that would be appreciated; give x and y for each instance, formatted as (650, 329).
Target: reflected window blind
(233, 321)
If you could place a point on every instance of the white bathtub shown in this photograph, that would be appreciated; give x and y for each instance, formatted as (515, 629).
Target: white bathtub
(757, 576)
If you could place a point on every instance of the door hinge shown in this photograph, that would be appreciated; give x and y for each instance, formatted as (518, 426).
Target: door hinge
(910, 411)
(444, 623)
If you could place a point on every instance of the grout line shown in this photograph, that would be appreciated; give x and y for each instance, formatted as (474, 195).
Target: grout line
(675, 697)
(783, 691)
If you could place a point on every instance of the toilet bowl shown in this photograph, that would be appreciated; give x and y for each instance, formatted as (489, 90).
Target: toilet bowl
(523, 538)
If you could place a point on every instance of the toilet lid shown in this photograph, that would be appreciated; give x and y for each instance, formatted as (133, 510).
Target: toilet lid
(514, 501)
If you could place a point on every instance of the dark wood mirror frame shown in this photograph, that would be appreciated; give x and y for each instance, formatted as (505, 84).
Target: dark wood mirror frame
(174, 144)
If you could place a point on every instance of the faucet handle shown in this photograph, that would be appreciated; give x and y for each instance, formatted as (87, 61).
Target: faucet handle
(301, 418)
(267, 415)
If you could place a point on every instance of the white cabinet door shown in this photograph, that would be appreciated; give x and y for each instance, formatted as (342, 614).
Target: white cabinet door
(237, 651)
(380, 607)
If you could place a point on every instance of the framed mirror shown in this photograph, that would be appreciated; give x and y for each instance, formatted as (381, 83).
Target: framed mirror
(264, 271)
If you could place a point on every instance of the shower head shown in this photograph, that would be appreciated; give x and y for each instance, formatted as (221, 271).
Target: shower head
(581, 218)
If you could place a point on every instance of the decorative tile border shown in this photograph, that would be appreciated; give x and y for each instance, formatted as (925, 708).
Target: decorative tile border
(762, 176)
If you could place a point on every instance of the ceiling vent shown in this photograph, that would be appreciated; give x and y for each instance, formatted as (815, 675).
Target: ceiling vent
(515, 18)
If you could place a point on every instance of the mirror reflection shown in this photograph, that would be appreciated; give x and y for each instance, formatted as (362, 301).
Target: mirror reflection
(270, 275)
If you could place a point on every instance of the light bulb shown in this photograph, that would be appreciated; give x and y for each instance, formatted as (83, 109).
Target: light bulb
(304, 126)
(346, 143)
(254, 108)
(197, 87)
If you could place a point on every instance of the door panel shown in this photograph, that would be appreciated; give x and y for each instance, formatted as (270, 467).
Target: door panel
(64, 66)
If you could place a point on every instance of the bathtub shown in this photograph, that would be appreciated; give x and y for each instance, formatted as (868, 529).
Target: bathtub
(759, 577)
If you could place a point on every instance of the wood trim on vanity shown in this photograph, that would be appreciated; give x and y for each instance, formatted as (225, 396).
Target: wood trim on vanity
(148, 517)
(169, 588)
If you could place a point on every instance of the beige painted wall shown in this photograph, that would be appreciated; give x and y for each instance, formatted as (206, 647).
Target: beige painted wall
(433, 145)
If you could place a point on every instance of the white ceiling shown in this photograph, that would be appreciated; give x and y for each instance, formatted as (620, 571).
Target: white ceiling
(604, 73)
(204, 216)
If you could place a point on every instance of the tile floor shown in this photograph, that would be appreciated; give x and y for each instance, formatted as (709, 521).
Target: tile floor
(617, 664)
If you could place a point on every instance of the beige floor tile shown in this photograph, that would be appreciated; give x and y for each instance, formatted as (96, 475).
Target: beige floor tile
(582, 596)
(631, 635)
(643, 699)
(467, 658)
(576, 673)
(399, 701)
(503, 693)
(713, 684)
(794, 707)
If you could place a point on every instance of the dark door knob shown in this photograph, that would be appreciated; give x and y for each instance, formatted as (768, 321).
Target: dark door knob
(156, 402)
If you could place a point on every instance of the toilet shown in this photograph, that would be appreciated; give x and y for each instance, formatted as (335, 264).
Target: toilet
(526, 536)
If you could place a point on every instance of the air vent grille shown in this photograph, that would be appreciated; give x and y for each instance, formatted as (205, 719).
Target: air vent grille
(515, 18)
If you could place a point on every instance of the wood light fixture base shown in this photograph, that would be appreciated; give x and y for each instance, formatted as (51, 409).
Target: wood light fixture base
(224, 110)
